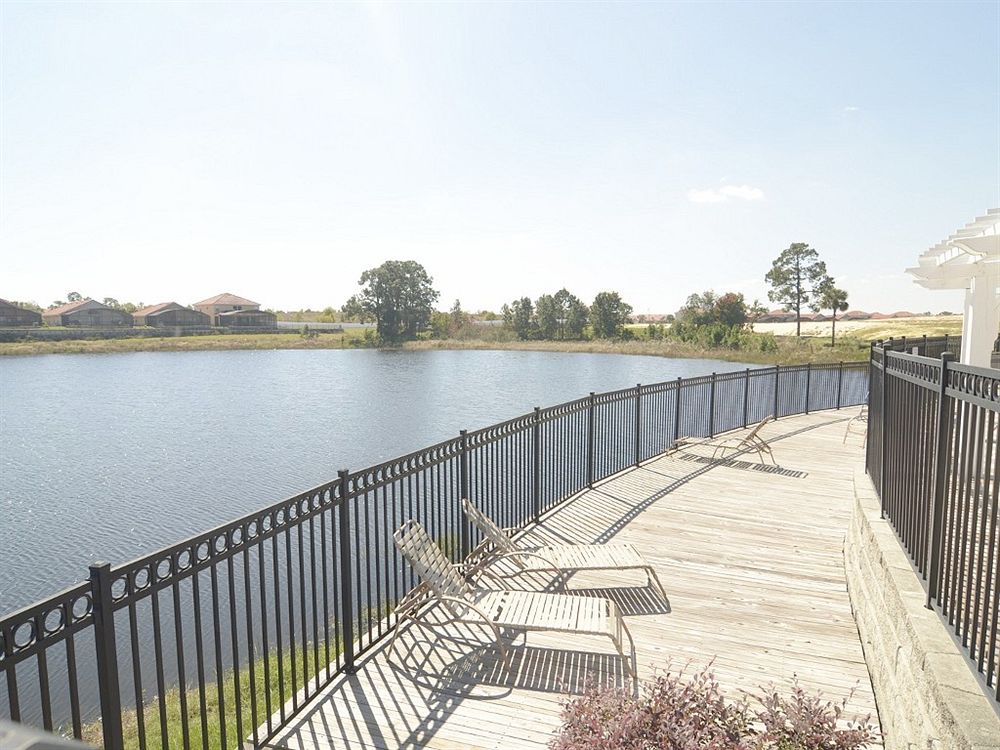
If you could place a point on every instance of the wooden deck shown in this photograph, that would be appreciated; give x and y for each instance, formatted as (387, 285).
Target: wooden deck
(752, 561)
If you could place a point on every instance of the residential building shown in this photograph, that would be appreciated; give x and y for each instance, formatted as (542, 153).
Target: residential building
(12, 315)
(87, 313)
(222, 303)
(170, 315)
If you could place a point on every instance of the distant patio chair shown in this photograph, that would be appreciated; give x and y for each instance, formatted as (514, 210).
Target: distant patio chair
(567, 559)
(858, 424)
(719, 446)
(442, 583)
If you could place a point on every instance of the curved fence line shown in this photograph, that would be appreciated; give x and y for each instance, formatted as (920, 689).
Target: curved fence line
(202, 643)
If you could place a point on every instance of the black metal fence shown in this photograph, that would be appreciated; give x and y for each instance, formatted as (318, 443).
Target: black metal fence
(934, 458)
(203, 644)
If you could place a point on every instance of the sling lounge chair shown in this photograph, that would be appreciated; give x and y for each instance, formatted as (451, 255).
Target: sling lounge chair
(560, 558)
(858, 424)
(443, 584)
(752, 441)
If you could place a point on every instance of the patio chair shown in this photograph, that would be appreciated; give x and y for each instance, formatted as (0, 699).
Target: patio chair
(752, 441)
(499, 545)
(858, 424)
(442, 583)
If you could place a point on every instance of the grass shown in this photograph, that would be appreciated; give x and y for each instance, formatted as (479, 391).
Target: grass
(790, 350)
(215, 712)
(321, 340)
(852, 345)
(897, 328)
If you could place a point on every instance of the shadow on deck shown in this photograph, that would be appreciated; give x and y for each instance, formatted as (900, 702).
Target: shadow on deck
(752, 561)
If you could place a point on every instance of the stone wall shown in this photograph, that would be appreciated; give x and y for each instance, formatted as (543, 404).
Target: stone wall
(928, 696)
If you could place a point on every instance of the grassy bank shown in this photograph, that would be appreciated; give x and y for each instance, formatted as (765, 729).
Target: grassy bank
(215, 711)
(317, 340)
(790, 350)
(852, 346)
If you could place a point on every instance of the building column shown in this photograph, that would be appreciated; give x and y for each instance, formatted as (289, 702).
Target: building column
(981, 321)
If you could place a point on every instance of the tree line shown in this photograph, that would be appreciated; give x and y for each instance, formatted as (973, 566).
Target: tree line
(399, 297)
(564, 317)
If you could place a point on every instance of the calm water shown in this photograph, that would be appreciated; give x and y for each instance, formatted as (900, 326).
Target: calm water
(106, 457)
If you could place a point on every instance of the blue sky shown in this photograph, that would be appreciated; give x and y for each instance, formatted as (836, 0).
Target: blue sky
(171, 151)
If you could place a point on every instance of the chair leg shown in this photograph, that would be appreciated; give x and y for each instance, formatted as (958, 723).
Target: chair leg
(651, 578)
(390, 650)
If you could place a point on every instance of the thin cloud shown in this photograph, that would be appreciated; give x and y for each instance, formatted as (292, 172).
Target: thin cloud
(852, 109)
(724, 193)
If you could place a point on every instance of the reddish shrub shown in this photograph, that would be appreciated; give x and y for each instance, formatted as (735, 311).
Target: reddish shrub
(676, 712)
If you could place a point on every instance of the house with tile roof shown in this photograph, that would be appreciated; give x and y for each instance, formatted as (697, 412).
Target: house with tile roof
(170, 315)
(87, 313)
(223, 303)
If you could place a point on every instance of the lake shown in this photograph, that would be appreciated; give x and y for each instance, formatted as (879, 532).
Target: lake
(109, 456)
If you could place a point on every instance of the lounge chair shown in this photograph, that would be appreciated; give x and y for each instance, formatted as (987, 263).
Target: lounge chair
(559, 558)
(443, 584)
(752, 441)
(858, 424)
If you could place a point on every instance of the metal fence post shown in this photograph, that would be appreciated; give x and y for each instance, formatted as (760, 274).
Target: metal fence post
(107, 655)
(884, 428)
(840, 382)
(677, 412)
(746, 396)
(346, 580)
(936, 521)
(590, 441)
(536, 470)
(711, 409)
(777, 372)
(465, 542)
(808, 382)
(638, 423)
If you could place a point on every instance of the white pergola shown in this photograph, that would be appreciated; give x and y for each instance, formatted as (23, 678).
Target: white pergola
(969, 259)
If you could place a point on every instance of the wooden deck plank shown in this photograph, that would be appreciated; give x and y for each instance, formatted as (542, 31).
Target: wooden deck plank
(752, 561)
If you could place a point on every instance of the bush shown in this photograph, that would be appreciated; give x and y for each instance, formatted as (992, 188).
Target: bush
(675, 712)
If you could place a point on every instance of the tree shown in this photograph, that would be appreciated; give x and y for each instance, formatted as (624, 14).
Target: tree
(729, 310)
(833, 299)
(755, 312)
(74, 297)
(572, 315)
(698, 310)
(458, 318)
(608, 315)
(519, 317)
(797, 278)
(547, 317)
(398, 296)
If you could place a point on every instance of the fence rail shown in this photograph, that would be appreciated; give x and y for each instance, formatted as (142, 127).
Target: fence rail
(201, 644)
(934, 458)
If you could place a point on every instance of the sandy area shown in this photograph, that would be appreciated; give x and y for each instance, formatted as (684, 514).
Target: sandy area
(934, 325)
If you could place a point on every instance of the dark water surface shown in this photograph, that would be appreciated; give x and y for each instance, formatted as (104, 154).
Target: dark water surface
(107, 457)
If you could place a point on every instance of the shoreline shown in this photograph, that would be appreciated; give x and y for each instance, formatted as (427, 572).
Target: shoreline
(790, 350)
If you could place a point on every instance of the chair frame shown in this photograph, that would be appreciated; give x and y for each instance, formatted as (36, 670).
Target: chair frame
(859, 419)
(441, 580)
(499, 545)
(752, 441)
